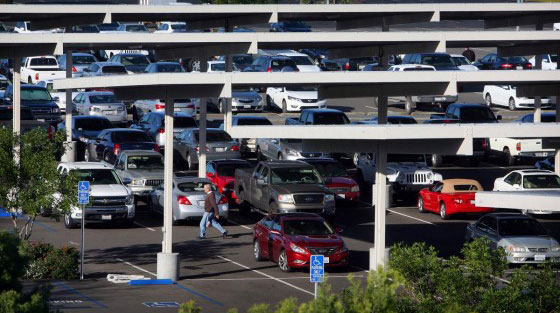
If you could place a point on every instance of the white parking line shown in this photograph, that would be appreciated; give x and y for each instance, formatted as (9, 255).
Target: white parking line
(136, 267)
(267, 278)
(369, 107)
(412, 217)
(246, 227)
(266, 275)
(358, 268)
(74, 243)
(144, 226)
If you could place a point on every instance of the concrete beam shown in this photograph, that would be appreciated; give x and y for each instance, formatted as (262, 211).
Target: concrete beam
(460, 146)
(397, 48)
(71, 20)
(207, 49)
(520, 200)
(239, 20)
(387, 19)
(176, 92)
(538, 90)
(521, 20)
(389, 90)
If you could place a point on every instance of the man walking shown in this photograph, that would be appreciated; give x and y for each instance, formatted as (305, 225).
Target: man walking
(469, 54)
(211, 214)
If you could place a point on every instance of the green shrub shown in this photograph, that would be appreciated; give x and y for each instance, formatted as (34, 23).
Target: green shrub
(189, 307)
(48, 262)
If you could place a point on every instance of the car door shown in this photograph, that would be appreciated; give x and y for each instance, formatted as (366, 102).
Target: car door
(120, 164)
(263, 235)
(431, 201)
(368, 166)
(260, 191)
(275, 241)
(102, 145)
(157, 198)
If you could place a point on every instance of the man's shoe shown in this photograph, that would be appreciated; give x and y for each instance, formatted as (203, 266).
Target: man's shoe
(225, 234)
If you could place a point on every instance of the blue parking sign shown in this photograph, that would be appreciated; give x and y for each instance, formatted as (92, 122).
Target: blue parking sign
(83, 192)
(317, 268)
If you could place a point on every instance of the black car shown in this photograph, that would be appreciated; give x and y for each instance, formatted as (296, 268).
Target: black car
(85, 128)
(346, 64)
(164, 67)
(133, 62)
(241, 61)
(470, 113)
(441, 61)
(316, 54)
(108, 27)
(270, 63)
(110, 142)
(37, 99)
(290, 26)
(492, 61)
(6, 66)
(546, 117)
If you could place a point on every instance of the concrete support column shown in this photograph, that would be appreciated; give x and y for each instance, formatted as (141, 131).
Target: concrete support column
(70, 152)
(16, 97)
(202, 126)
(538, 66)
(229, 69)
(380, 206)
(557, 152)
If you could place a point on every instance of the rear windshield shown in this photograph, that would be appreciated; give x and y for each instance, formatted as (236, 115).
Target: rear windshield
(253, 121)
(102, 99)
(541, 181)
(554, 57)
(437, 60)
(330, 119)
(330, 169)
(460, 61)
(94, 124)
(228, 170)
(134, 60)
(124, 136)
(215, 136)
(179, 26)
(106, 27)
(114, 69)
(43, 62)
(33, 94)
(465, 188)
(83, 59)
(281, 63)
(301, 88)
(520, 227)
(145, 162)
(193, 187)
(302, 60)
(4, 84)
(184, 122)
(170, 68)
(477, 114)
(307, 227)
(400, 120)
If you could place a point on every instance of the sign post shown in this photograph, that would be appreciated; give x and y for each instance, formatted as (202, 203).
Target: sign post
(317, 270)
(83, 199)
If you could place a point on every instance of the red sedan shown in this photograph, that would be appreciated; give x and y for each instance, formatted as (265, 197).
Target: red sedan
(291, 238)
(336, 179)
(451, 196)
(222, 174)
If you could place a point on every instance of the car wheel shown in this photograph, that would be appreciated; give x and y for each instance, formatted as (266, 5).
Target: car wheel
(421, 205)
(190, 164)
(29, 80)
(436, 160)
(175, 221)
(280, 157)
(257, 251)
(488, 99)
(443, 211)
(511, 104)
(259, 154)
(509, 160)
(283, 262)
(221, 106)
(268, 102)
(69, 222)
(284, 106)
(525, 212)
(408, 106)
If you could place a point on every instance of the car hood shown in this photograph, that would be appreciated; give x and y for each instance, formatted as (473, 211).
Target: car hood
(406, 166)
(109, 190)
(145, 174)
(340, 182)
(316, 241)
(531, 241)
(35, 104)
(245, 95)
(302, 94)
(300, 188)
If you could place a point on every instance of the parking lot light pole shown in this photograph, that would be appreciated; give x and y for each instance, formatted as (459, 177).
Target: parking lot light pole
(202, 126)
(557, 151)
(70, 145)
(167, 261)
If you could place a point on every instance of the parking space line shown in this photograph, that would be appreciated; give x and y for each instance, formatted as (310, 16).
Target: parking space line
(266, 275)
(412, 217)
(144, 226)
(74, 243)
(200, 295)
(267, 278)
(74, 291)
(136, 267)
(235, 223)
(358, 268)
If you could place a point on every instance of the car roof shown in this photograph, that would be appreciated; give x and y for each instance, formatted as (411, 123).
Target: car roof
(293, 54)
(535, 172)
(297, 215)
(230, 161)
(86, 165)
(448, 185)
(140, 152)
(287, 163)
(29, 86)
(90, 93)
(323, 110)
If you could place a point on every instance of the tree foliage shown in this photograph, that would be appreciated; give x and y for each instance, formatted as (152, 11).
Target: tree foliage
(29, 182)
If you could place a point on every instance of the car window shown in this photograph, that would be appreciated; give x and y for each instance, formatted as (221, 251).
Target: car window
(43, 62)
(488, 223)
(541, 182)
(309, 227)
(276, 225)
(520, 227)
(516, 179)
(145, 162)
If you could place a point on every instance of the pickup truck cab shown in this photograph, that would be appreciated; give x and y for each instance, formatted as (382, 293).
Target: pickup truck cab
(143, 168)
(284, 187)
(27, 123)
(35, 69)
(37, 99)
(110, 199)
(319, 117)
(549, 61)
(469, 113)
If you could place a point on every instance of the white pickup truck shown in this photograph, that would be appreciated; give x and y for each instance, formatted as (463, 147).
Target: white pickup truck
(40, 68)
(514, 149)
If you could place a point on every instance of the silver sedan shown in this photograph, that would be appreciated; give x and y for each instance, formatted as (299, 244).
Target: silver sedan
(219, 145)
(188, 199)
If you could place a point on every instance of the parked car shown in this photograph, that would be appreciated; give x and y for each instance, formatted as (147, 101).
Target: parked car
(546, 164)
(35, 69)
(346, 64)
(108, 27)
(291, 239)
(522, 237)
(7, 69)
(188, 199)
(546, 117)
(319, 117)
(58, 96)
(153, 124)
(82, 29)
(463, 63)
(4, 83)
(284, 149)
(80, 61)
(290, 26)
(133, 62)
(85, 128)
(37, 99)
(112, 141)
(104, 69)
(248, 146)
(506, 95)
(294, 98)
(492, 61)
(392, 119)
(164, 67)
(143, 168)
(336, 178)
(303, 61)
(222, 174)
(440, 60)
(142, 107)
(549, 61)
(451, 196)
(270, 63)
(27, 120)
(245, 99)
(219, 145)
(241, 61)
(101, 103)
(110, 199)
(469, 113)
(171, 27)
(513, 150)
(528, 180)
(132, 28)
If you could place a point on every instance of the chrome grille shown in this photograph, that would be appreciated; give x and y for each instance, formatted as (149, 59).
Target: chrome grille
(309, 199)
(245, 100)
(154, 182)
(538, 249)
(322, 250)
(416, 178)
(107, 201)
(308, 100)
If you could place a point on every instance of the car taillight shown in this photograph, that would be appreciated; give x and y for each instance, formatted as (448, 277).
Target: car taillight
(506, 65)
(518, 146)
(347, 66)
(458, 201)
(190, 106)
(198, 149)
(74, 70)
(235, 148)
(156, 147)
(484, 144)
(117, 149)
(160, 106)
(183, 200)
(36, 76)
(51, 132)
(223, 200)
(161, 130)
(269, 69)
(529, 65)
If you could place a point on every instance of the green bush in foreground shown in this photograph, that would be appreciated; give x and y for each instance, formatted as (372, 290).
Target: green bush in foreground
(48, 262)
(418, 281)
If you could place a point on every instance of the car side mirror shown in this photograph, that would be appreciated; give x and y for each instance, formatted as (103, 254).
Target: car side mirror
(261, 182)
(499, 117)
(7, 99)
(127, 181)
(275, 232)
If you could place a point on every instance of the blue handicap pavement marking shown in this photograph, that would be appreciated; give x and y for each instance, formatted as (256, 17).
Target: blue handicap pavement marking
(317, 269)
(161, 304)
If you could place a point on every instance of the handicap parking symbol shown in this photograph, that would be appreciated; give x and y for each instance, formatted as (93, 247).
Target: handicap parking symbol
(83, 186)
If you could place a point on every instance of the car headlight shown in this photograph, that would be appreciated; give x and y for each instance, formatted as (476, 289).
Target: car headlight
(329, 197)
(130, 199)
(429, 175)
(297, 248)
(56, 110)
(120, 109)
(555, 249)
(513, 248)
(138, 182)
(293, 98)
(355, 189)
(286, 198)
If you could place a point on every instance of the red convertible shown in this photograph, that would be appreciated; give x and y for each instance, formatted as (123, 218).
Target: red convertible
(451, 196)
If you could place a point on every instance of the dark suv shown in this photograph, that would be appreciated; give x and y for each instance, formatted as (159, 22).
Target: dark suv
(270, 63)
(441, 61)
(38, 100)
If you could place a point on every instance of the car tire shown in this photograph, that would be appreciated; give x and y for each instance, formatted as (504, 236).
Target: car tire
(69, 222)
(488, 99)
(29, 80)
(509, 160)
(151, 206)
(259, 154)
(190, 164)
(257, 251)
(511, 104)
(283, 262)
(284, 106)
(421, 208)
(437, 160)
(221, 106)
(443, 211)
(280, 157)
(408, 106)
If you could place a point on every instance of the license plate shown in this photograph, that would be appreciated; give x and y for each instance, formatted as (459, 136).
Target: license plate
(541, 154)
(106, 217)
(219, 149)
(247, 106)
(341, 195)
(200, 203)
(110, 112)
(540, 257)
(473, 202)
(519, 67)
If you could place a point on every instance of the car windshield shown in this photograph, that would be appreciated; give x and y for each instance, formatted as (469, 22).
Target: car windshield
(136, 28)
(43, 62)
(253, 121)
(330, 169)
(307, 227)
(83, 59)
(242, 59)
(460, 61)
(330, 119)
(279, 64)
(302, 60)
(145, 162)
(554, 57)
(215, 136)
(184, 122)
(465, 187)
(33, 94)
(396, 158)
(301, 88)
(179, 26)
(194, 187)
(517, 227)
(108, 27)
(128, 136)
(476, 114)
(437, 60)
(541, 181)
(217, 67)
(98, 176)
(4, 84)
(134, 60)
(102, 99)
(298, 175)
(169, 68)
(95, 124)
(116, 69)
(228, 170)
